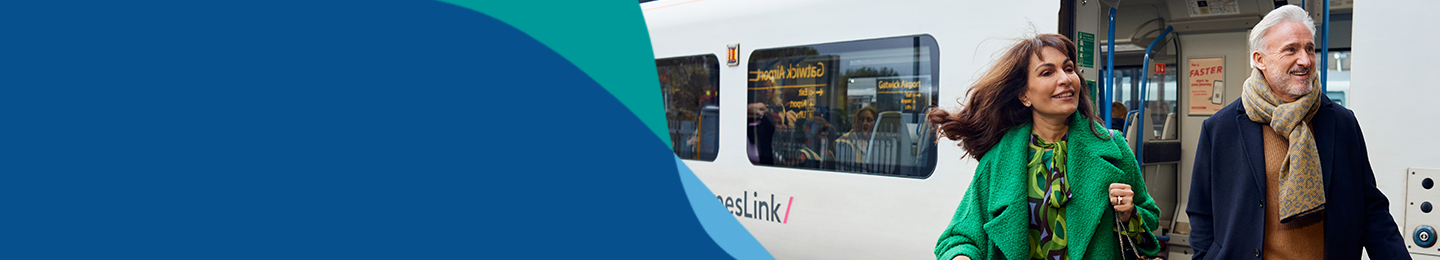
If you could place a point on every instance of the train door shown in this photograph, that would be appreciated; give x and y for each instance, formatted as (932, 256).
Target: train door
(1166, 82)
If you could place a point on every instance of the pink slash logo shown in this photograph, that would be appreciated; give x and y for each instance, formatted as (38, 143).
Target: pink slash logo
(787, 210)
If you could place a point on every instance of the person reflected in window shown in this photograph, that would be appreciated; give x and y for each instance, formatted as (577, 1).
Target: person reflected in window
(759, 134)
(761, 128)
(858, 139)
(813, 136)
(1052, 182)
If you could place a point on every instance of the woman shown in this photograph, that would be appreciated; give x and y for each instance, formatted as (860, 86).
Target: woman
(858, 139)
(1052, 182)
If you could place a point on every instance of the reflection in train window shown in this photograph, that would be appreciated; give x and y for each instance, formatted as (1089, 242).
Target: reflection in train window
(692, 101)
(854, 106)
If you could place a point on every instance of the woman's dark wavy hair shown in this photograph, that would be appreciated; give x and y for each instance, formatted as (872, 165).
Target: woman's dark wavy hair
(994, 106)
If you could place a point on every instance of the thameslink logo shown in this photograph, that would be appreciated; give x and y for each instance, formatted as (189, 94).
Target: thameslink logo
(751, 205)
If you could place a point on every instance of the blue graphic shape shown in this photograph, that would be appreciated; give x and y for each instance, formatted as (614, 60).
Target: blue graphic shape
(717, 220)
(318, 130)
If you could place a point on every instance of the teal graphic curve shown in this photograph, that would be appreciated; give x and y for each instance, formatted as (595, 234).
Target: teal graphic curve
(612, 45)
(607, 40)
(717, 220)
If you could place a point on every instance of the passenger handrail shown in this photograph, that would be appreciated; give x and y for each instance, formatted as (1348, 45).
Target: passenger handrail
(1109, 70)
(1144, 78)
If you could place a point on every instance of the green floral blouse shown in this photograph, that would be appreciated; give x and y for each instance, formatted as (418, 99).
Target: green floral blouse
(1048, 191)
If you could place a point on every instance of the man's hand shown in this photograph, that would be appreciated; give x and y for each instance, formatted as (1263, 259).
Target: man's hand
(756, 110)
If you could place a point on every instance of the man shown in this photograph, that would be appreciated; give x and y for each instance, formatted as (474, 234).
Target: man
(759, 135)
(1283, 172)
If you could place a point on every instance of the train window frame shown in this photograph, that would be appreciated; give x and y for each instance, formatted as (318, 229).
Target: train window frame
(904, 128)
(705, 128)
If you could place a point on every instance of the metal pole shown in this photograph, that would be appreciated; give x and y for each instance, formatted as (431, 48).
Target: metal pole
(1144, 78)
(1325, 50)
(1109, 70)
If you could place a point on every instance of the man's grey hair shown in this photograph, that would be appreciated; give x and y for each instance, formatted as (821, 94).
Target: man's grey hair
(1287, 13)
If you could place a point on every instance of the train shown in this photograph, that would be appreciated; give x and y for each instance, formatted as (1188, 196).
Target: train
(839, 78)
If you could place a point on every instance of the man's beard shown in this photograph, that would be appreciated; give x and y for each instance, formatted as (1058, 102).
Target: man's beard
(1286, 83)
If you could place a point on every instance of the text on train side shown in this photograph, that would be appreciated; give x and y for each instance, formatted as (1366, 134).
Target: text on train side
(754, 208)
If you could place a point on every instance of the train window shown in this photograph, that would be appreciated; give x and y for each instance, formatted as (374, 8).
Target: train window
(691, 104)
(854, 106)
(1337, 83)
(1161, 98)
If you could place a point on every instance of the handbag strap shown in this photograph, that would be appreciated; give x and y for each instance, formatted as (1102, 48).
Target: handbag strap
(1125, 241)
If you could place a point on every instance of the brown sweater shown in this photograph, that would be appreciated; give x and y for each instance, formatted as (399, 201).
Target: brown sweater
(1302, 238)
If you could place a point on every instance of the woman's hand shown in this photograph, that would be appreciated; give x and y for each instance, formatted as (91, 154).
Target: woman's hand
(1124, 200)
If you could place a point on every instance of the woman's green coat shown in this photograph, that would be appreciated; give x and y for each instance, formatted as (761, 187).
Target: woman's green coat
(992, 221)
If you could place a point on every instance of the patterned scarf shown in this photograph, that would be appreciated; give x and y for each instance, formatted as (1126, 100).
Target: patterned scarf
(1057, 189)
(1302, 189)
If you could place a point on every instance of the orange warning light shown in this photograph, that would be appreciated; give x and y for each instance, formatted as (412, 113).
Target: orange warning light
(732, 54)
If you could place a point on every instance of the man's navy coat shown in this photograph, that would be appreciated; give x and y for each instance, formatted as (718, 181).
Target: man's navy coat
(1227, 189)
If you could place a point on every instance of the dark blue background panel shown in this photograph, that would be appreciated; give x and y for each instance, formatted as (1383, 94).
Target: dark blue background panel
(338, 130)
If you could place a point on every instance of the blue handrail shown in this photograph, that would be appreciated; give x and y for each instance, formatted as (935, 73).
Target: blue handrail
(1144, 78)
(1125, 128)
(1325, 50)
(1109, 69)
